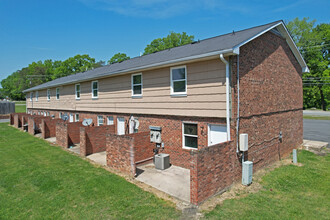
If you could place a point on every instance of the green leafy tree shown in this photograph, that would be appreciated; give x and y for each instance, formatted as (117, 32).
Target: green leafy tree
(118, 57)
(170, 41)
(314, 43)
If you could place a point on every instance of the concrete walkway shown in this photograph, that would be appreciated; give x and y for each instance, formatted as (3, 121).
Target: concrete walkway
(174, 181)
(99, 158)
(75, 149)
(317, 147)
(51, 140)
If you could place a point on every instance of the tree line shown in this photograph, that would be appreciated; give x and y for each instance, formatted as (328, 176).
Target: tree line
(312, 40)
(40, 72)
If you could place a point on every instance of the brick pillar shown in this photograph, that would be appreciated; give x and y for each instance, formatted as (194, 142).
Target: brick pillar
(16, 121)
(83, 137)
(12, 118)
(62, 137)
(43, 129)
(193, 178)
(31, 125)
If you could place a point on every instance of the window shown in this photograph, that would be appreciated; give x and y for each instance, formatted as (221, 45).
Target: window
(48, 94)
(31, 96)
(190, 135)
(61, 114)
(99, 120)
(48, 114)
(37, 95)
(42, 113)
(137, 84)
(77, 117)
(57, 93)
(77, 91)
(178, 81)
(109, 120)
(95, 89)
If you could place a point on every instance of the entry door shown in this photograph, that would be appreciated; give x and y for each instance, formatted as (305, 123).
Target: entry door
(71, 117)
(120, 126)
(217, 134)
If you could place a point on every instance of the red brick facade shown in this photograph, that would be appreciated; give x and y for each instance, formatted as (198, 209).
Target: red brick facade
(48, 127)
(93, 139)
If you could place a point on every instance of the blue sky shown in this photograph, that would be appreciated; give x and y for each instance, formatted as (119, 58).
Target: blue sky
(32, 30)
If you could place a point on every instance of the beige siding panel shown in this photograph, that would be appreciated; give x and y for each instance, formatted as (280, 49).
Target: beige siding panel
(206, 94)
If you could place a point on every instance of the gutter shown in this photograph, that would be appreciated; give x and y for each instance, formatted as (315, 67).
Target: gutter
(131, 70)
(227, 95)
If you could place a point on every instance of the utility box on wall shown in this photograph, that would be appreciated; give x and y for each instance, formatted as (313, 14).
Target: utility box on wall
(155, 134)
(247, 172)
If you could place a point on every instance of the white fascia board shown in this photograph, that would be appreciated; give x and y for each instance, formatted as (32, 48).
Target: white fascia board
(146, 67)
(289, 40)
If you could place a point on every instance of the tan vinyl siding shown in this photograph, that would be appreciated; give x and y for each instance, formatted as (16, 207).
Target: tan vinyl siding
(206, 94)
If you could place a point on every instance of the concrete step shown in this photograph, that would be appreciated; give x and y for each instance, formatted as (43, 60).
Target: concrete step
(317, 147)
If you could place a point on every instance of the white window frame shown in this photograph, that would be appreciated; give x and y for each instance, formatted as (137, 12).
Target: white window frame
(75, 86)
(75, 117)
(31, 96)
(183, 135)
(140, 84)
(48, 94)
(98, 120)
(57, 93)
(60, 115)
(172, 81)
(108, 121)
(95, 97)
(37, 95)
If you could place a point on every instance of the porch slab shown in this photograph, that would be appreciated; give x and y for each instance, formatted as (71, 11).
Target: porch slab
(99, 158)
(75, 149)
(174, 181)
(51, 140)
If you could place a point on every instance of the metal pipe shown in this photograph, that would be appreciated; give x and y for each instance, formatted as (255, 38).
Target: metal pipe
(227, 96)
(237, 121)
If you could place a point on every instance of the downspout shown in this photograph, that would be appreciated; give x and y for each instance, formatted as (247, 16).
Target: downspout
(227, 96)
(237, 121)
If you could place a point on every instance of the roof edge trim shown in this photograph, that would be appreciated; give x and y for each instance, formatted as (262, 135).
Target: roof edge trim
(161, 64)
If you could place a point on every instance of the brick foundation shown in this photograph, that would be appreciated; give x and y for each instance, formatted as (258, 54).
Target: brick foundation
(34, 122)
(93, 139)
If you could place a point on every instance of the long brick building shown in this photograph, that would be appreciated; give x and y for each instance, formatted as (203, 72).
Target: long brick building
(202, 95)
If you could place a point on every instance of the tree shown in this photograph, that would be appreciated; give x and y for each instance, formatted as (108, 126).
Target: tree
(313, 42)
(118, 57)
(172, 40)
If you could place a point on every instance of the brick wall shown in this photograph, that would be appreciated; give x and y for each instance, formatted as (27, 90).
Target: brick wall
(11, 118)
(143, 148)
(67, 134)
(125, 151)
(48, 127)
(211, 170)
(93, 139)
(171, 131)
(120, 153)
(16, 119)
(62, 137)
(34, 122)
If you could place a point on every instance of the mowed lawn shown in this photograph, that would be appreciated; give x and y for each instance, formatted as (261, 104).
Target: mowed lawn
(40, 181)
(289, 192)
(20, 106)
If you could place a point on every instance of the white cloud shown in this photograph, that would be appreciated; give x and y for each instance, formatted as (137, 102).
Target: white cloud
(159, 8)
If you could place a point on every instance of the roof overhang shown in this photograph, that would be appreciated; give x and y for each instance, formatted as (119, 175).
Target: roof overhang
(285, 33)
(184, 60)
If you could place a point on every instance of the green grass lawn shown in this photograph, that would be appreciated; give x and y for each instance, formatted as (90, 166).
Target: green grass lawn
(40, 181)
(316, 117)
(20, 102)
(289, 192)
(20, 108)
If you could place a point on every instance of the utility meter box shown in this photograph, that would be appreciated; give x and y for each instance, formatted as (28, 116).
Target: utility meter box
(155, 134)
(243, 142)
(247, 170)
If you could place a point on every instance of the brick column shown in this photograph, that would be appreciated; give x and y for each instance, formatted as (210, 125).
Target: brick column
(62, 138)
(83, 137)
(193, 178)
